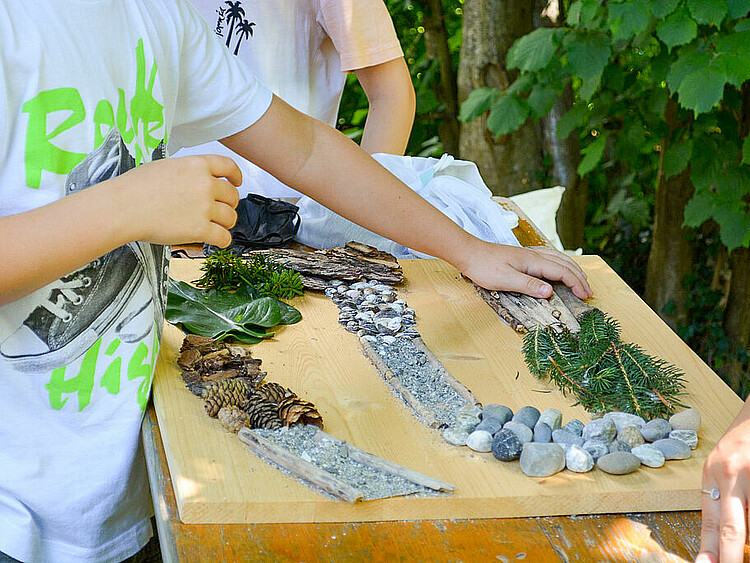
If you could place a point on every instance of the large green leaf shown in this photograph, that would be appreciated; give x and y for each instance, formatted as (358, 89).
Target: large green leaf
(699, 209)
(689, 60)
(592, 155)
(541, 100)
(678, 29)
(588, 54)
(738, 8)
(508, 114)
(736, 68)
(575, 117)
(220, 314)
(534, 50)
(742, 25)
(478, 102)
(628, 19)
(734, 223)
(708, 11)
(676, 158)
(662, 8)
(702, 90)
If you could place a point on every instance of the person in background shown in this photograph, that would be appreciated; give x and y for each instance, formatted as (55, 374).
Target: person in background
(302, 50)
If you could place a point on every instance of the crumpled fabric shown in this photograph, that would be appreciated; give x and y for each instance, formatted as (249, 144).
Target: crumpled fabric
(454, 187)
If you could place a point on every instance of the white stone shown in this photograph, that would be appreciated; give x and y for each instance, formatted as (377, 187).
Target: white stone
(480, 441)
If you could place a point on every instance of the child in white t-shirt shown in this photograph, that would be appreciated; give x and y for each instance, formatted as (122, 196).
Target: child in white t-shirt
(92, 92)
(302, 50)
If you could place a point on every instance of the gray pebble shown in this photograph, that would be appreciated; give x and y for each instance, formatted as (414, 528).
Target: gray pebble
(631, 436)
(542, 460)
(649, 455)
(467, 421)
(623, 419)
(673, 449)
(602, 429)
(575, 426)
(542, 432)
(579, 460)
(500, 412)
(565, 436)
(690, 437)
(528, 416)
(480, 441)
(489, 424)
(596, 448)
(618, 463)
(552, 418)
(522, 432)
(689, 419)
(655, 429)
(389, 339)
(618, 446)
(455, 436)
(473, 410)
(506, 446)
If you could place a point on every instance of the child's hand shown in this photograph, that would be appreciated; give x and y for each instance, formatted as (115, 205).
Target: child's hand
(510, 268)
(181, 200)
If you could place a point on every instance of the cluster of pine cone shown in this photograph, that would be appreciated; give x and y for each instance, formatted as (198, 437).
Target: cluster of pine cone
(234, 391)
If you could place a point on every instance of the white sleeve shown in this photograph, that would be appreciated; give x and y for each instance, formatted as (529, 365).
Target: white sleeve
(218, 96)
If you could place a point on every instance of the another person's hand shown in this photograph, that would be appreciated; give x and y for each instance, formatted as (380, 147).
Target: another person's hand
(510, 268)
(181, 200)
(725, 520)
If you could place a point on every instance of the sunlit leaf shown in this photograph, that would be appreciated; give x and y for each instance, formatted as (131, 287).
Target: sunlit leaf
(534, 50)
(708, 11)
(592, 155)
(478, 102)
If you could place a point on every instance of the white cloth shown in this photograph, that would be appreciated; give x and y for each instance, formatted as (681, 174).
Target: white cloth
(454, 187)
(541, 206)
(89, 89)
(301, 49)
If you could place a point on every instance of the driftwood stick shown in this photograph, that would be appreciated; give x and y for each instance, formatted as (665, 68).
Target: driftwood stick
(502, 312)
(299, 467)
(427, 415)
(571, 300)
(463, 391)
(381, 464)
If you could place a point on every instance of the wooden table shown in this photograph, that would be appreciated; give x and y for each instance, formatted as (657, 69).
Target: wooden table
(658, 537)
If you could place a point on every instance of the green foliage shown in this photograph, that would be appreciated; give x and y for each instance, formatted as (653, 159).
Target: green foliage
(244, 314)
(602, 372)
(226, 271)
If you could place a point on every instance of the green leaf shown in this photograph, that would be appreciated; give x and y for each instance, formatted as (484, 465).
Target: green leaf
(592, 155)
(478, 102)
(541, 100)
(698, 210)
(742, 25)
(676, 158)
(575, 117)
(746, 150)
(588, 54)
(427, 102)
(736, 68)
(534, 50)
(628, 19)
(662, 8)
(220, 314)
(573, 18)
(508, 114)
(734, 223)
(702, 90)
(738, 8)
(678, 29)
(736, 42)
(521, 84)
(708, 11)
(589, 12)
(689, 60)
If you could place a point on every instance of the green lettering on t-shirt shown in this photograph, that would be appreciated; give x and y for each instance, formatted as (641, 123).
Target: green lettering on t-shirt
(82, 384)
(137, 369)
(144, 108)
(111, 377)
(41, 154)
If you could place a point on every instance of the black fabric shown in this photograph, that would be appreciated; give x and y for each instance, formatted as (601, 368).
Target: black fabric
(262, 223)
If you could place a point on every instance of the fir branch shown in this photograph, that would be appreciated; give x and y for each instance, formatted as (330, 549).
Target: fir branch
(624, 373)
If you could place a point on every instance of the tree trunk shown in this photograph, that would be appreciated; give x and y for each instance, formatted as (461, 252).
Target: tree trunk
(436, 42)
(511, 163)
(671, 256)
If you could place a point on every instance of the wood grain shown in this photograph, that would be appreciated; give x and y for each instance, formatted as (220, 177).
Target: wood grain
(217, 480)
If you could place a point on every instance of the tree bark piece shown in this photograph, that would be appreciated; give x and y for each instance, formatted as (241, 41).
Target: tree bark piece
(353, 262)
(530, 312)
(425, 413)
(299, 467)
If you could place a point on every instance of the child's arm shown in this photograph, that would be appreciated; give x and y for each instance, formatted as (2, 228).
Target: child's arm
(322, 163)
(168, 202)
(392, 104)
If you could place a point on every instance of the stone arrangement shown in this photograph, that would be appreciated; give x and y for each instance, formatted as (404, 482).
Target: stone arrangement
(617, 443)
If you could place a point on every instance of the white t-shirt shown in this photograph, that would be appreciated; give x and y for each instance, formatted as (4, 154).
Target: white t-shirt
(89, 90)
(301, 50)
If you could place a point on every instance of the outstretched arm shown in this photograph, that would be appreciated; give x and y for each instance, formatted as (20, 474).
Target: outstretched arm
(169, 202)
(392, 104)
(310, 156)
(725, 520)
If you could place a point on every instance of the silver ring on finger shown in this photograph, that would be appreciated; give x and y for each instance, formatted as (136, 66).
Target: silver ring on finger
(715, 494)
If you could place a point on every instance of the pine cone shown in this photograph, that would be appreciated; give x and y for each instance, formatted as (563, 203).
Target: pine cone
(292, 410)
(225, 393)
(273, 392)
(261, 413)
(232, 418)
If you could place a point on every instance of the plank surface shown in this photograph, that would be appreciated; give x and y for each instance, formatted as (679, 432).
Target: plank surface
(217, 480)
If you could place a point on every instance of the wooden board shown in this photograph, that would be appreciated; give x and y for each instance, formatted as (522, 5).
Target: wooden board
(216, 480)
